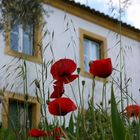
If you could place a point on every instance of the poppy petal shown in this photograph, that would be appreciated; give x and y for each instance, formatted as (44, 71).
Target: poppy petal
(69, 79)
(36, 133)
(58, 90)
(61, 106)
(132, 110)
(63, 67)
(101, 68)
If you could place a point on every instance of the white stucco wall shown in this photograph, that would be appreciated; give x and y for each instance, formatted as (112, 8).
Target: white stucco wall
(57, 24)
(62, 39)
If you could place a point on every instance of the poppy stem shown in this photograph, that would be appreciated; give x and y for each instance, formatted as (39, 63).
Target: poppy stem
(79, 92)
(73, 94)
(103, 97)
(83, 86)
(104, 103)
(121, 57)
(92, 96)
(92, 103)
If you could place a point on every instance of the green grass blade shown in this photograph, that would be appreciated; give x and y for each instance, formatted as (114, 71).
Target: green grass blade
(118, 129)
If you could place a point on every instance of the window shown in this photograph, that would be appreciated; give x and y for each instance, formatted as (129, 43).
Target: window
(13, 111)
(91, 52)
(19, 117)
(22, 38)
(92, 47)
(23, 41)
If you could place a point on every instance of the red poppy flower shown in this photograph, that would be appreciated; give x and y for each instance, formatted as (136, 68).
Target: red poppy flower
(132, 110)
(101, 68)
(58, 90)
(62, 70)
(36, 133)
(61, 106)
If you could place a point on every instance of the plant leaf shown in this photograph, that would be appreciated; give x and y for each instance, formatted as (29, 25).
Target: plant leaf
(71, 124)
(118, 129)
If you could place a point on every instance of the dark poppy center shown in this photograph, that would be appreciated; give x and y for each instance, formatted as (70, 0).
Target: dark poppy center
(132, 114)
(64, 74)
(63, 113)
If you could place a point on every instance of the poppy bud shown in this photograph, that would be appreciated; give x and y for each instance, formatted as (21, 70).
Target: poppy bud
(78, 70)
(83, 83)
(37, 84)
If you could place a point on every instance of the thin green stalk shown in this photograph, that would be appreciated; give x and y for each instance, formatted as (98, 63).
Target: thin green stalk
(105, 95)
(73, 94)
(43, 92)
(79, 92)
(104, 102)
(92, 96)
(43, 89)
(83, 87)
(25, 93)
(121, 79)
(92, 106)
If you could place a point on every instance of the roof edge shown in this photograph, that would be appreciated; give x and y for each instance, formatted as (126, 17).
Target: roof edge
(96, 17)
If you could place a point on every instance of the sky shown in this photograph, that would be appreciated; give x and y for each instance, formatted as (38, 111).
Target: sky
(130, 14)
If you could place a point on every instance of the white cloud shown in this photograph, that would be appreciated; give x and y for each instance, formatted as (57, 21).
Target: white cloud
(133, 14)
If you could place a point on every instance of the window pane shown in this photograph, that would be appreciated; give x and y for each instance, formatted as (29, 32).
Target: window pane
(14, 27)
(22, 38)
(14, 41)
(94, 50)
(91, 52)
(28, 40)
(14, 36)
(86, 54)
(17, 115)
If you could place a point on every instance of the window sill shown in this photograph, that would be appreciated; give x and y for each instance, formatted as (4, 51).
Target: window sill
(90, 76)
(36, 58)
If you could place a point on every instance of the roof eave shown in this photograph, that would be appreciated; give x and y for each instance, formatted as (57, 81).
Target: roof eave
(95, 17)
